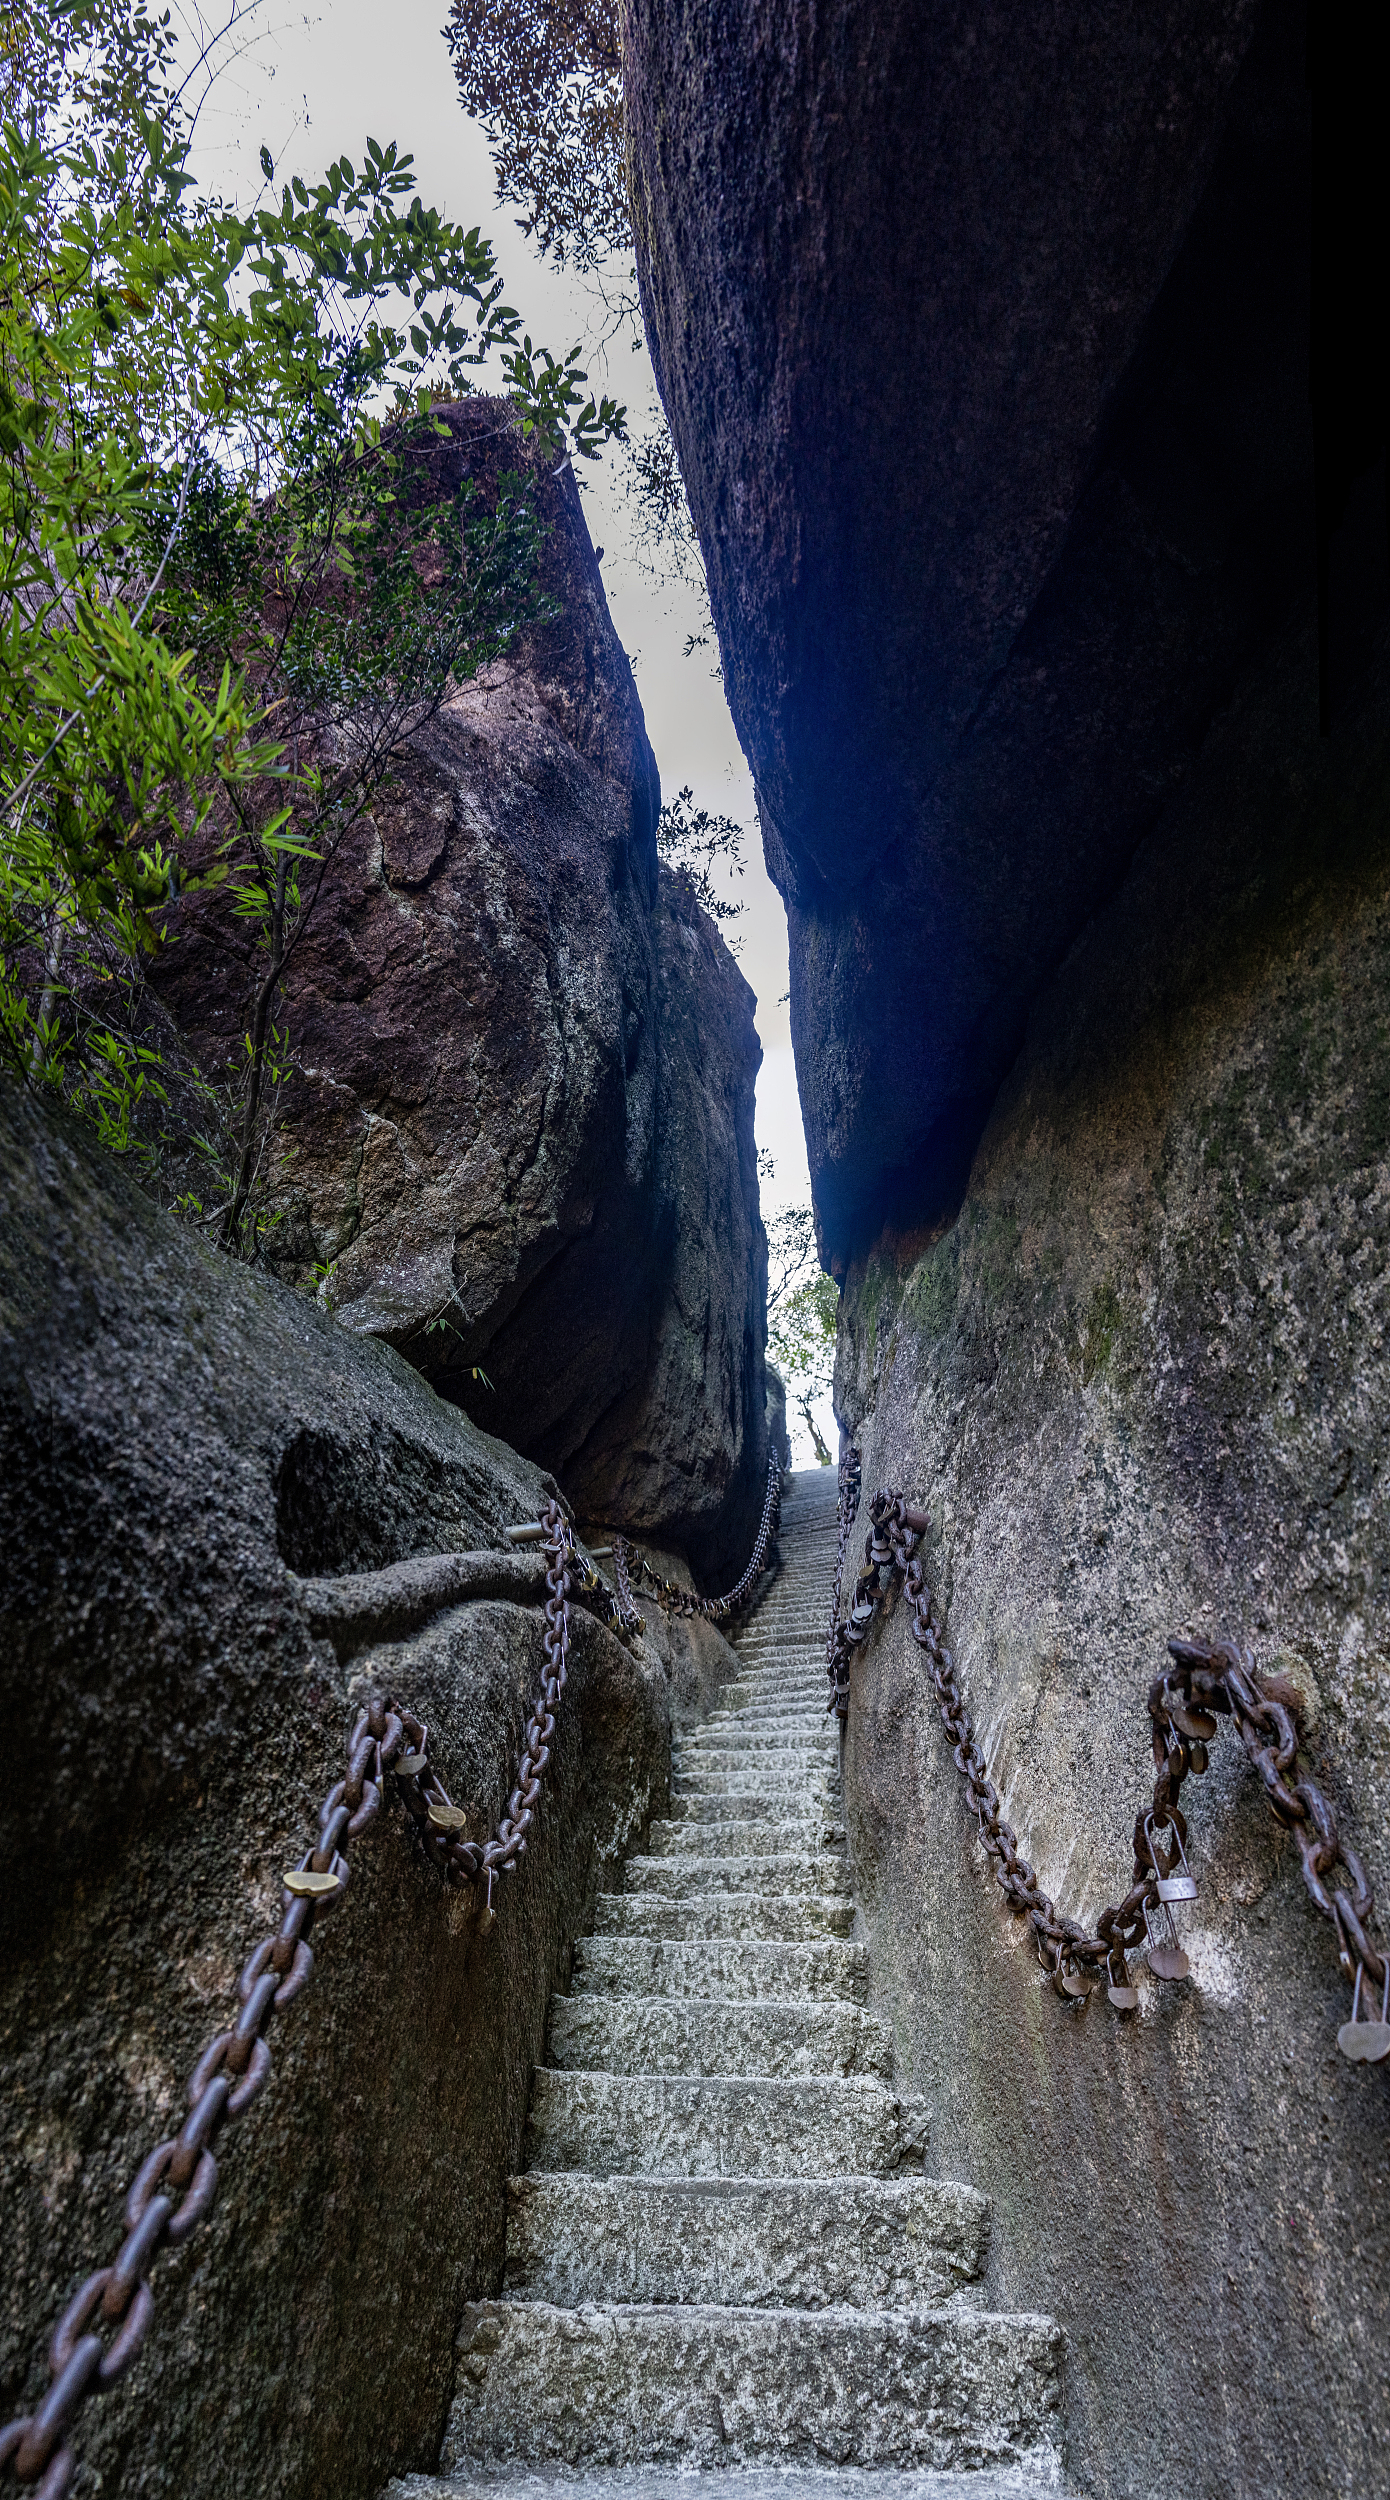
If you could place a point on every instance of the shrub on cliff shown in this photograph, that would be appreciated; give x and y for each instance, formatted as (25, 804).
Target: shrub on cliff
(220, 610)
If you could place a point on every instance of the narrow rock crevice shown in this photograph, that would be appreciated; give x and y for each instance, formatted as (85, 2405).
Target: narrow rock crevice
(724, 2252)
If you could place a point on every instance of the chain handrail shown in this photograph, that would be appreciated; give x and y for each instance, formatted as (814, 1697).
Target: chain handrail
(175, 2187)
(1205, 1682)
(849, 1483)
(629, 1564)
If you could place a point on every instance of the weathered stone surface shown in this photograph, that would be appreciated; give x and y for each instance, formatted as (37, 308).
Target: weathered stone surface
(774, 1803)
(680, 1877)
(798, 1916)
(808, 2243)
(710, 2385)
(778, 1438)
(637, 1965)
(521, 1116)
(185, 1449)
(984, 343)
(732, 1840)
(712, 2126)
(779, 2482)
(1141, 1387)
(652, 2036)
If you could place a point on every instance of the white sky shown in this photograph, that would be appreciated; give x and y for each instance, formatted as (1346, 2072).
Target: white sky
(312, 85)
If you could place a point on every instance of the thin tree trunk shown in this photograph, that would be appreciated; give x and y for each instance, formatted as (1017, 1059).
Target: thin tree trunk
(265, 995)
(53, 956)
(822, 1453)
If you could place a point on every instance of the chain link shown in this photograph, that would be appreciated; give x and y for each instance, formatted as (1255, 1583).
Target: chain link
(629, 1564)
(105, 2324)
(108, 2319)
(1204, 1683)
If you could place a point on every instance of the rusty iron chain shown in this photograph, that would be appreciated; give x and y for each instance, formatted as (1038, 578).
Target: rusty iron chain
(630, 1565)
(1204, 1682)
(174, 2188)
(836, 1640)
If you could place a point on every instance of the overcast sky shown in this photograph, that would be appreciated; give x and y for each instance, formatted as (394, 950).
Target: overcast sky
(312, 84)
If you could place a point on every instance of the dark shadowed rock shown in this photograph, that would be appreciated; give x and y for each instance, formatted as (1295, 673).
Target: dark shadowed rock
(520, 1122)
(778, 1438)
(686, 1448)
(984, 342)
(221, 1515)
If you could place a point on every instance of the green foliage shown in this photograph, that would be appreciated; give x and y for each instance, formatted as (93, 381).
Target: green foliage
(663, 533)
(234, 573)
(693, 841)
(803, 1310)
(544, 77)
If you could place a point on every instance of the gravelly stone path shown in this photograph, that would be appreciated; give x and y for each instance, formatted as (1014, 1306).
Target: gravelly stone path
(724, 2252)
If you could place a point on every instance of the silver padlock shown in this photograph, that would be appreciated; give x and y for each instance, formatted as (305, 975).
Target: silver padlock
(1181, 1883)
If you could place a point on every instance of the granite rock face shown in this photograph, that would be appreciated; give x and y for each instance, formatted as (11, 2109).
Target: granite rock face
(1140, 1386)
(778, 1437)
(985, 347)
(984, 344)
(222, 1513)
(685, 1448)
(520, 1121)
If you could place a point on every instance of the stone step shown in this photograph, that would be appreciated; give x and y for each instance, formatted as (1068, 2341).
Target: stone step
(756, 1766)
(796, 1629)
(792, 1632)
(734, 1741)
(785, 1688)
(701, 2036)
(712, 2126)
(772, 1728)
(654, 2482)
(794, 1917)
(767, 1719)
(746, 1694)
(754, 1775)
(771, 1661)
(738, 1973)
(785, 1652)
(860, 2243)
(751, 1805)
(685, 1879)
(694, 2386)
(796, 1836)
(803, 1744)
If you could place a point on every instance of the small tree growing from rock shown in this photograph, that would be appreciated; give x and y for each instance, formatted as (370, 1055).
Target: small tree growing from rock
(803, 1317)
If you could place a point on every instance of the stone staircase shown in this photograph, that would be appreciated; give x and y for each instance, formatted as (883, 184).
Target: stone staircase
(724, 2252)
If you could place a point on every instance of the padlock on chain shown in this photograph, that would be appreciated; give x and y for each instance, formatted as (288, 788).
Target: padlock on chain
(1179, 1884)
(1165, 1956)
(1367, 2044)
